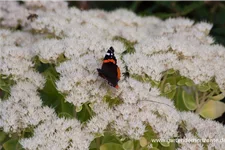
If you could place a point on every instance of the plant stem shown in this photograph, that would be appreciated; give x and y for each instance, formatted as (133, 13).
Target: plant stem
(98, 143)
(89, 111)
(197, 100)
(203, 100)
(163, 82)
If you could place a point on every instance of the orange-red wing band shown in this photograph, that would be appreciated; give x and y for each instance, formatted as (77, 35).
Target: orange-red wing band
(116, 86)
(118, 73)
(109, 60)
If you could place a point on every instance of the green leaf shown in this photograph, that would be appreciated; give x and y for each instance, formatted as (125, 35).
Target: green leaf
(91, 105)
(189, 100)
(145, 78)
(135, 5)
(170, 71)
(5, 83)
(181, 82)
(111, 146)
(97, 135)
(3, 135)
(52, 98)
(143, 142)
(179, 101)
(165, 144)
(129, 45)
(171, 80)
(12, 144)
(170, 95)
(51, 73)
(172, 146)
(93, 145)
(203, 87)
(154, 148)
(28, 132)
(213, 85)
(110, 138)
(136, 144)
(129, 145)
(155, 83)
(218, 97)
(212, 109)
(167, 88)
(85, 114)
(165, 15)
(189, 8)
(49, 94)
(79, 108)
(112, 101)
(61, 58)
(150, 134)
(4, 86)
(189, 82)
(45, 61)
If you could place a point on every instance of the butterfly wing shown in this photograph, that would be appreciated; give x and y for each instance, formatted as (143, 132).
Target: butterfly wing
(109, 72)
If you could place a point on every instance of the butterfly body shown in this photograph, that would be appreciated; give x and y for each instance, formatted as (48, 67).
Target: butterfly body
(109, 70)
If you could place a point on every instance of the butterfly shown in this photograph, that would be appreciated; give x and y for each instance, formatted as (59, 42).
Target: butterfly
(110, 71)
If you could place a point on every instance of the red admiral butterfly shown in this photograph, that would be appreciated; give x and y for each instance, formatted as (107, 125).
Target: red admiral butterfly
(110, 71)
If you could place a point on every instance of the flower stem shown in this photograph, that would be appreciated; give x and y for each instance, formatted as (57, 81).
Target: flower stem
(88, 109)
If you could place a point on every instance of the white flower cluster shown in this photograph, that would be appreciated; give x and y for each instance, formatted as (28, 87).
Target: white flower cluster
(59, 134)
(77, 78)
(213, 131)
(23, 108)
(103, 117)
(12, 14)
(183, 46)
(165, 44)
(135, 91)
(156, 111)
(83, 37)
(16, 57)
(131, 117)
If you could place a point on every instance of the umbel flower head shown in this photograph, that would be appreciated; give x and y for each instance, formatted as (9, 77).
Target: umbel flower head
(53, 59)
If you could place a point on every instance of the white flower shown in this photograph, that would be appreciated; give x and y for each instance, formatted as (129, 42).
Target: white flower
(48, 49)
(103, 117)
(204, 27)
(16, 61)
(205, 129)
(58, 134)
(23, 108)
(12, 14)
(186, 145)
